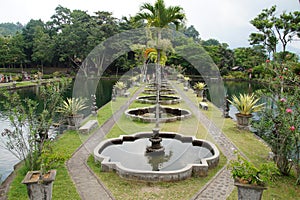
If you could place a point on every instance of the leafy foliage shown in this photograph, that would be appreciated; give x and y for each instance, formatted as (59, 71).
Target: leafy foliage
(158, 15)
(72, 106)
(246, 103)
(244, 171)
(30, 127)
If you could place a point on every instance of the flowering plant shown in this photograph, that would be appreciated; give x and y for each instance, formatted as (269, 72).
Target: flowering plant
(279, 126)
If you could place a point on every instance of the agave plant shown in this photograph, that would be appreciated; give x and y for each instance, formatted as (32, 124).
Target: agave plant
(186, 78)
(72, 106)
(246, 103)
(199, 86)
(120, 85)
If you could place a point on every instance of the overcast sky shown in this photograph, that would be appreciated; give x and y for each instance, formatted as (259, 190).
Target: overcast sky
(224, 20)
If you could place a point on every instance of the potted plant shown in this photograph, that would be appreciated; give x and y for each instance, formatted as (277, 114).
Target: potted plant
(180, 77)
(133, 80)
(186, 81)
(250, 180)
(120, 88)
(71, 108)
(199, 87)
(39, 185)
(246, 105)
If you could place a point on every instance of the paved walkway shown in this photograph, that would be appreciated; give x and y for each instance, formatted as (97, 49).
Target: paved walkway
(221, 185)
(88, 185)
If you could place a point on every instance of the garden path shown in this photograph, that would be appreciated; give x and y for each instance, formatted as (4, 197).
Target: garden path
(88, 185)
(222, 184)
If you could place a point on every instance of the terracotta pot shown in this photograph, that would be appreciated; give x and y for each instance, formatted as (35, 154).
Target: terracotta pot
(249, 192)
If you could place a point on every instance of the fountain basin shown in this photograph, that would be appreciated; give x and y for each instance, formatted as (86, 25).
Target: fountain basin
(147, 114)
(163, 99)
(184, 156)
(162, 91)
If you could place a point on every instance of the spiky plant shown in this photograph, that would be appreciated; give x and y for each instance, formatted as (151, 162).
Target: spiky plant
(199, 86)
(246, 103)
(120, 85)
(72, 106)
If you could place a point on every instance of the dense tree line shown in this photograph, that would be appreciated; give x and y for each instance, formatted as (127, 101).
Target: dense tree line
(70, 35)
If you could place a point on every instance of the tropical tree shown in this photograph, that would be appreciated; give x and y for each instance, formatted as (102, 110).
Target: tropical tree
(273, 29)
(160, 16)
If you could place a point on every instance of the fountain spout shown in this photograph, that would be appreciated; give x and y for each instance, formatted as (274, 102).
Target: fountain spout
(155, 140)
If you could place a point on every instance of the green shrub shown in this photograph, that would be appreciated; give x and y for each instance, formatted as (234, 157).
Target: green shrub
(17, 78)
(57, 74)
(238, 75)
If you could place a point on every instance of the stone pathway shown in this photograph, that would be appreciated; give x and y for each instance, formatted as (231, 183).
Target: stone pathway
(90, 187)
(221, 185)
(87, 184)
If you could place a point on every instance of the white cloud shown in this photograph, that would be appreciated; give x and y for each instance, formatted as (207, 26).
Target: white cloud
(225, 20)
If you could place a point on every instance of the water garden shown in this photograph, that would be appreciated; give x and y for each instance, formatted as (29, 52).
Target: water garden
(172, 127)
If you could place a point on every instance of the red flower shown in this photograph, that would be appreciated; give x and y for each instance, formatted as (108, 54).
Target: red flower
(288, 110)
(267, 61)
(292, 128)
(281, 77)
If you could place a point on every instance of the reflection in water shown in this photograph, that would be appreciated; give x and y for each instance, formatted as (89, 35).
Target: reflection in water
(131, 154)
(156, 160)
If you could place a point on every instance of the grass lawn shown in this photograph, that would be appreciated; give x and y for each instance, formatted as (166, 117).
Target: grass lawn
(123, 189)
(255, 150)
(63, 187)
(64, 146)
(129, 189)
(246, 142)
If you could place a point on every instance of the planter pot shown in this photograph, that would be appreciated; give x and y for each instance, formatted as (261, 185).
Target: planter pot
(39, 187)
(243, 121)
(199, 93)
(249, 192)
(75, 120)
(120, 92)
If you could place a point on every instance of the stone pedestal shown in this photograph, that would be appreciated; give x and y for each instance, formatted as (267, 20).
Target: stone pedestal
(155, 143)
(39, 186)
(249, 192)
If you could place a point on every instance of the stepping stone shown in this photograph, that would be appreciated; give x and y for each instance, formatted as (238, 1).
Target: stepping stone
(87, 127)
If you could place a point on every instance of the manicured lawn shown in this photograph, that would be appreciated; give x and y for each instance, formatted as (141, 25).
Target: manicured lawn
(68, 142)
(63, 187)
(255, 150)
(123, 189)
(128, 189)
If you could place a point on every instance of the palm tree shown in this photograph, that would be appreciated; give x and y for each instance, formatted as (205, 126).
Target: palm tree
(160, 16)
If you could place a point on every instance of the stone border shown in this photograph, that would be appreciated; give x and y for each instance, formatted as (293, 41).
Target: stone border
(185, 114)
(143, 99)
(152, 176)
(162, 91)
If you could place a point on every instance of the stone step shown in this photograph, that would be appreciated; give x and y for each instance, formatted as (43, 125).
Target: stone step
(87, 127)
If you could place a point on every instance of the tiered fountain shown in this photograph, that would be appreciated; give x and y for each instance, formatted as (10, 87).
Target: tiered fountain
(156, 156)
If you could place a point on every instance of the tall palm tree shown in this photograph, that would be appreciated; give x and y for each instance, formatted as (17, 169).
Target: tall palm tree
(160, 16)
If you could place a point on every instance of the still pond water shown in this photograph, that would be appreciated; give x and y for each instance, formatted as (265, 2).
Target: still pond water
(7, 160)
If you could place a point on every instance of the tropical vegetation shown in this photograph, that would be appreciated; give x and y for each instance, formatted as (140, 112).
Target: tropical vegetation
(246, 103)
(243, 171)
(72, 106)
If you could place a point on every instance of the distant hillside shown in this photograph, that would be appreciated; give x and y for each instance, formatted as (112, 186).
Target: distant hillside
(7, 29)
